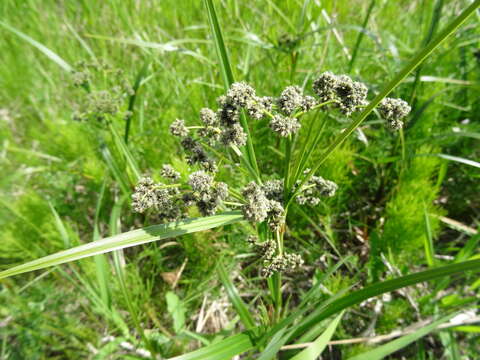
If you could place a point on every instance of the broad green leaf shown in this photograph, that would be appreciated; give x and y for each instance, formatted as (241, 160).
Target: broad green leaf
(314, 350)
(176, 309)
(222, 350)
(235, 298)
(395, 345)
(46, 51)
(128, 239)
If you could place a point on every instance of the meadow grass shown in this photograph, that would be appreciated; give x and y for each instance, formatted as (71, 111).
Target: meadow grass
(64, 183)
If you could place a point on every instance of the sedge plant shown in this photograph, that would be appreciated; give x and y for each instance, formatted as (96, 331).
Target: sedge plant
(219, 146)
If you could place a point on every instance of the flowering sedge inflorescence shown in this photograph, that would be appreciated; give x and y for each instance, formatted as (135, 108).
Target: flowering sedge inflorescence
(100, 102)
(220, 128)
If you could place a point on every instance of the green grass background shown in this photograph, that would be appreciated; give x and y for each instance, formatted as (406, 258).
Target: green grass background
(53, 169)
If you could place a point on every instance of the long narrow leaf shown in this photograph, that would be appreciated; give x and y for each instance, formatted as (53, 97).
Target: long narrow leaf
(382, 351)
(228, 79)
(128, 239)
(46, 51)
(376, 289)
(125, 151)
(235, 298)
(314, 350)
(223, 350)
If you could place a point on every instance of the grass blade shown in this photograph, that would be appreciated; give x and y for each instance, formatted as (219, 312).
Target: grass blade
(125, 151)
(115, 170)
(222, 350)
(379, 288)
(429, 251)
(228, 79)
(101, 263)
(225, 68)
(236, 300)
(360, 35)
(412, 65)
(128, 239)
(62, 230)
(459, 160)
(316, 348)
(382, 351)
(46, 51)
(142, 74)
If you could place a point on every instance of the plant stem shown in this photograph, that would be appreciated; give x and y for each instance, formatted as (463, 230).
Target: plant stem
(414, 63)
(360, 36)
(318, 106)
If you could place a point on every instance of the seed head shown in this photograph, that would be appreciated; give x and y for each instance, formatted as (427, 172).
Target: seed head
(285, 263)
(239, 93)
(317, 186)
(350, 94)
(256, 108)
(149, 195)
(276, 215)
(290, 99)
(208, 117)
(227, 114)
(393, 111)
(252, 240)
(178, 128)
(257, 206)
(210, 133)
(200, 181)
(324, 187)
(168, 172)
(308, 102)
(324, 86)
(273, 190)
(347, 94)
(80, 78)
(233, 135)
(101, 103)
(284, 126)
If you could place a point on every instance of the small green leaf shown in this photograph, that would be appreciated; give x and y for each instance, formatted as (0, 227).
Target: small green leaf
(177, 310)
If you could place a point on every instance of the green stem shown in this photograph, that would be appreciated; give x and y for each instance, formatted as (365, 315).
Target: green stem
(360, 36)
(414, 63)
(318, 106)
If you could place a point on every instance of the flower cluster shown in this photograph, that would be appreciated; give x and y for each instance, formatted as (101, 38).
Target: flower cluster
(393, 111)
(273, 262)
(342, 91)
(315, 188)
(207, 194)
(164, 200)
(171, 201)
(223, 126)
(259, 208)
(100, 103)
